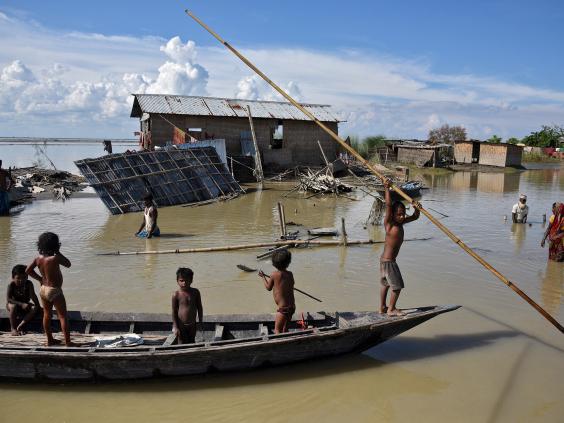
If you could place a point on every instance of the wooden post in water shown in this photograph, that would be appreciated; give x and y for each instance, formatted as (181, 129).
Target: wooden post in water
(281, 221)
(365, 162)
(343, 231)
(258, 165)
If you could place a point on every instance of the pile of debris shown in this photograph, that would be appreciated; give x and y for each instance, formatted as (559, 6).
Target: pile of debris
(319, 182)
(33, 181)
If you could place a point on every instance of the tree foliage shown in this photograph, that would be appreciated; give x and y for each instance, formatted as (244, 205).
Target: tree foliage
(548, 136)
(494, 139)
(366, 146)
(447, 134)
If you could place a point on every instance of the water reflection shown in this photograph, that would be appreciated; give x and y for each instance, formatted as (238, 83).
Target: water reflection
(552, 286)
(518, 235)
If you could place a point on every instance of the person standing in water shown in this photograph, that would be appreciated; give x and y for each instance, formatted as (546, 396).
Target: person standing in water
(149, 228)
(520, 210)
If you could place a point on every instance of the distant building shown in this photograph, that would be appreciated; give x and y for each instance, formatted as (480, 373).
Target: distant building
(490, 154)
(285, 136)
(424, 154)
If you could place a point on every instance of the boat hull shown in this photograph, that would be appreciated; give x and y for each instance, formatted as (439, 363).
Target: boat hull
(346, 333)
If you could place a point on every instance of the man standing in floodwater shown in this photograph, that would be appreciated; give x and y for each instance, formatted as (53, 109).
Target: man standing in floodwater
(389, 270)
(520, 210)
(6, 182)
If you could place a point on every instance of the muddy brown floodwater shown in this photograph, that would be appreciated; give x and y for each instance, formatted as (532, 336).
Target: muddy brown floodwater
(495, 359)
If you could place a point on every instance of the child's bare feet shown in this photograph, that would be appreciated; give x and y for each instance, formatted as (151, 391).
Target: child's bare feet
(15, 332)
(395, 312)
(70, 344)
(383, 310)
(51, 342)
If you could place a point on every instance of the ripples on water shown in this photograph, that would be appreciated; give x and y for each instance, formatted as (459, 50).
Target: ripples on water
(496, 350)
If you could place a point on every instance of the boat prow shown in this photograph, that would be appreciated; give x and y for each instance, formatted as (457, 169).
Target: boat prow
(223, 343)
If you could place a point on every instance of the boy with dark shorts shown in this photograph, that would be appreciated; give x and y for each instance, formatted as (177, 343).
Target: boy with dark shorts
(18, 300)
(49, 262)
(186, 304)
(389, 270)
(282, 281)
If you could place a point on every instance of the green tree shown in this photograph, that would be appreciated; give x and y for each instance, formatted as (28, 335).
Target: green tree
(513, 140)
(494, 139)
(447, 134)
(548, 136)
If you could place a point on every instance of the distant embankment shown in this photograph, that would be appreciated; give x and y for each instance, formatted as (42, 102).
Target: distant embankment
(41, 140)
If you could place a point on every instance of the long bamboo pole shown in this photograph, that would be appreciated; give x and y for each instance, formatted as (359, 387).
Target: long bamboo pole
(250, 246)
(415, 204)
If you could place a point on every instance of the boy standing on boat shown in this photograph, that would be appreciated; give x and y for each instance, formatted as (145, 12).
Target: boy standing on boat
(389, 270)
(49, 263)
(282, 281)
(18, 300)
(186, 304)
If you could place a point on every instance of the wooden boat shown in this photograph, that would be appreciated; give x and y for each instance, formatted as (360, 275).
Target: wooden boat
(224, 343)
(411, 188)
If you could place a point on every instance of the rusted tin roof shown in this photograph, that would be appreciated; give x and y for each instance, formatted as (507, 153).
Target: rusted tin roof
(211, 106)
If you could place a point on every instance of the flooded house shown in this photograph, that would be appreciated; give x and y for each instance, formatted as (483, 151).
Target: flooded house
(285, 136)
(486, 153)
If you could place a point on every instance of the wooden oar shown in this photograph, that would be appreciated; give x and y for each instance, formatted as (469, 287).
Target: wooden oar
(365, 162)
(248, 269)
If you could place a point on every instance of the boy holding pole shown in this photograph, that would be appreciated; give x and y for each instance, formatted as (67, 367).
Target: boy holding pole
(389, 270)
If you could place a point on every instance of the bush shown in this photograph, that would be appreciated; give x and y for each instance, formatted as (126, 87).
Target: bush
(447, 134)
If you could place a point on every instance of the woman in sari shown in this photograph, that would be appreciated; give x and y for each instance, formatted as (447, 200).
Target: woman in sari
(555, 233)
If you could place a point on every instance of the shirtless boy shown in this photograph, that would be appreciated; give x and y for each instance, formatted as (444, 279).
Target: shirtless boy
(186, 303)
(18, 300)
(282, 281)
(49, 263)
(389, 270)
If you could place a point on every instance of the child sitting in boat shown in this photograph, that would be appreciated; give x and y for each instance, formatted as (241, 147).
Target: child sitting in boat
(18, 300)
(186, 303)
(282, 281)
(149, 228)
(390, 275)
(49, 263)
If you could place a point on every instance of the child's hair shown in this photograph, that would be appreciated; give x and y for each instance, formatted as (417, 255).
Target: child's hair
(396, 206)
(48, 243)
(186, 273)
(18, 269)
(148, 197)
(281, 259)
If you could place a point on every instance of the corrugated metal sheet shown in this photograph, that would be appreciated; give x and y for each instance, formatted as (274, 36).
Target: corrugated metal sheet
(210, 106)
(173, 176)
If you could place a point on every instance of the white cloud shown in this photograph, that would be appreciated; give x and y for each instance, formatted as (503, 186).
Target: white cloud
(51, 80)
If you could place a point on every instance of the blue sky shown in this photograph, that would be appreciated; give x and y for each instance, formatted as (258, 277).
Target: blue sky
(396, 68)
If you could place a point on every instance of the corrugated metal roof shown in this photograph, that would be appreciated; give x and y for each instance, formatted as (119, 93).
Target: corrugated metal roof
(211, 106)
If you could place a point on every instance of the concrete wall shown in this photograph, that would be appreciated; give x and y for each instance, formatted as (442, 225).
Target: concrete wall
(514, 155)
(493, 154)
(299, 145)
(463, 152)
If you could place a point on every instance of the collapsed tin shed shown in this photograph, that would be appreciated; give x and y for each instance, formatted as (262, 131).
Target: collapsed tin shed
(173, 176)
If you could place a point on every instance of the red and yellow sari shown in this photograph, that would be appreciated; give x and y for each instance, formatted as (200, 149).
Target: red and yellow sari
(556, 235)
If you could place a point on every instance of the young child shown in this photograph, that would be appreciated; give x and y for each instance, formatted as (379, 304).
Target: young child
(283, 283)
(49, 263)
(389, 270)
(18, 300)
(186, 303)
(149, 228)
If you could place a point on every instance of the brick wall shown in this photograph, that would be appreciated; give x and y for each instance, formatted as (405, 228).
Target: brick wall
(300, 137)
